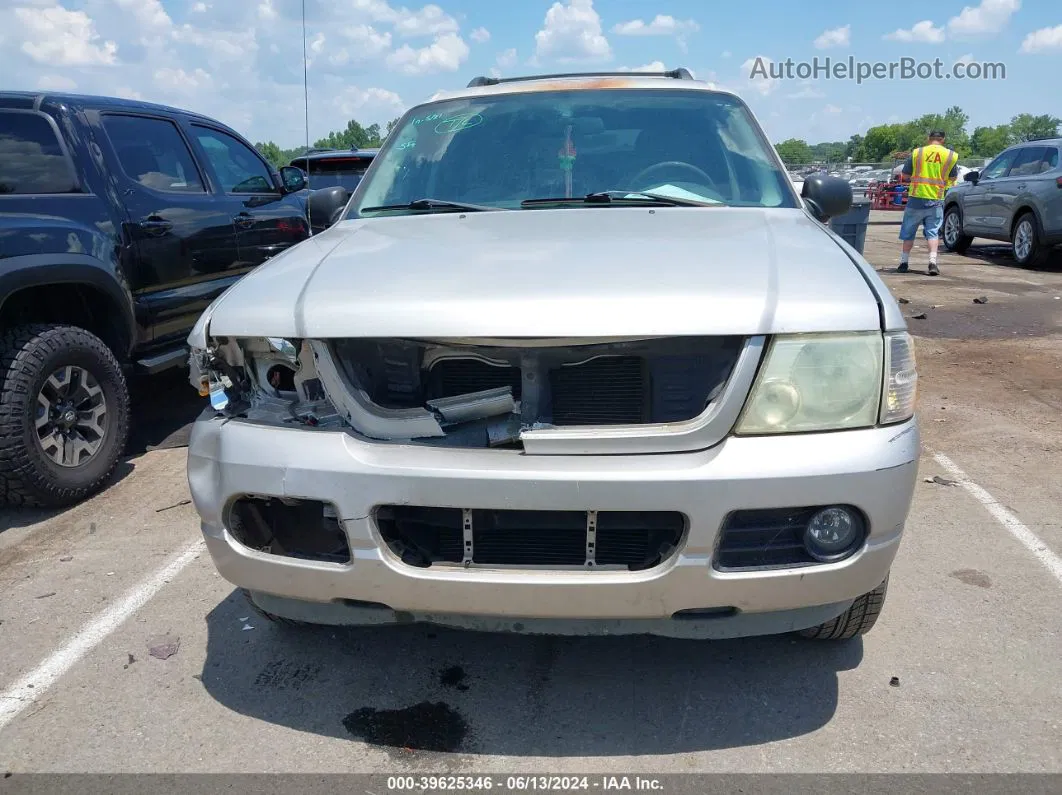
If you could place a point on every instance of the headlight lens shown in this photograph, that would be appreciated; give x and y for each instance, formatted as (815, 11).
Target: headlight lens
(901, 385)
(817, 382)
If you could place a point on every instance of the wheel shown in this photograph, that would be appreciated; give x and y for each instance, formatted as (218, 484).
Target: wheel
(1028, 250)
(64, 414)
(858, 619)
(954, 239)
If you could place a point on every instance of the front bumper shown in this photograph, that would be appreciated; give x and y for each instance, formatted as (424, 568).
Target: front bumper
(875, 470)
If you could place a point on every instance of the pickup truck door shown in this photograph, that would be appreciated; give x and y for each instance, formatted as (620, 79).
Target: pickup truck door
(184, 238)
(267, 220)
(976, 205)
(1009, 190)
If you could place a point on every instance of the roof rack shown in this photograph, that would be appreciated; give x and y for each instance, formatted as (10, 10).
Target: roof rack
(675, 74)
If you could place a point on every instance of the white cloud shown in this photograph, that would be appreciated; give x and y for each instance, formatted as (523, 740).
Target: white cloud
(317, 45)
(58, 37)
(181, 82)
(445, 54)
(754, 70)
(832, 109)
(55, 83)
(834, 37)
(923, 31)
(429, 21)
(353, 100)
(572, 32)
(991, 16)
(726, 54)
(654, 66)
(221, 44)
(480, 35)
(965, 59)
(662, 25)
(267, 12)
(807, 92)
(507, 58)
(1043, 40)
(200, 8)
(366, 43)
(148, 13)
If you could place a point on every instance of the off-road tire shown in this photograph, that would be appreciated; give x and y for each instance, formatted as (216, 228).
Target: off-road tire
(274, 619)
(858, 619)
(1038, 252)
(28, 356)
(961, 241)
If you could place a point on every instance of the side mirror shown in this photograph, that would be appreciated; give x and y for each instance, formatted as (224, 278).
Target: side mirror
(325, 205)
(827, 197)
(292, 179)
(972, 176)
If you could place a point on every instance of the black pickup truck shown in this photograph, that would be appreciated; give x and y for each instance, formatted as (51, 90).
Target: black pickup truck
(120, 221)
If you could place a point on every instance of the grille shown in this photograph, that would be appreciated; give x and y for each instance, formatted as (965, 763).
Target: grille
(609, 390)
(759, 539)
(453, 377)
(637, 540)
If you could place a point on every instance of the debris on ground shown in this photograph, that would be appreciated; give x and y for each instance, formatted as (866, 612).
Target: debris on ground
(162, 647)
(132, 660)
(983, 299)
(92, 529)
(904, 300)
(941, 481)
(46, 595)
(175, 505)
(422, 727)
(66, 558)
(894, 682)
(247, 627)
(919, 316)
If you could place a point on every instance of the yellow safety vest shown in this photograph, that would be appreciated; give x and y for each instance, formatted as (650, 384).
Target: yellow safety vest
(930, 167)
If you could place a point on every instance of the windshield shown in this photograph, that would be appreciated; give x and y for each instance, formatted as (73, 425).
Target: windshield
(502, 150)
(345, 172)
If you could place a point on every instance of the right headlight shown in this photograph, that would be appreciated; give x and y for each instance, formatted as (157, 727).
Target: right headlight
(817, 382)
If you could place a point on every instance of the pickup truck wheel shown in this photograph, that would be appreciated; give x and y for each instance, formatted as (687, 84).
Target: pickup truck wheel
(1025, 242)
(954, 239)
(64, 414)
(858, 619)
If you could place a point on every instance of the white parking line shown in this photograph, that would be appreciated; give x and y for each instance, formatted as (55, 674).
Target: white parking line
(1029, 539)
(33, 685)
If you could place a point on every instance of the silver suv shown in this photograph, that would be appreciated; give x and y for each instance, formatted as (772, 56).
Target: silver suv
(1017, 197)
(574, 358)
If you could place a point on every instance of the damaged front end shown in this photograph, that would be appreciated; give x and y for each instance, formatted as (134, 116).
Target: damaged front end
(541, 396)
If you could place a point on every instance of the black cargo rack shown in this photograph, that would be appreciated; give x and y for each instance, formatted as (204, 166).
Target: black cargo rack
(675, 74)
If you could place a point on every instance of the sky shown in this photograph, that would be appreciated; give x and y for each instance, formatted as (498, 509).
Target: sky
(241, 61)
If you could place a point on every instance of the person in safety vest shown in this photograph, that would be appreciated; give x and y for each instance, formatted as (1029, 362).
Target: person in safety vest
(930, 171)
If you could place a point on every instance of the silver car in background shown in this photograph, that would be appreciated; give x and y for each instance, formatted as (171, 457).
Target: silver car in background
(1016, 198)
(575, 358)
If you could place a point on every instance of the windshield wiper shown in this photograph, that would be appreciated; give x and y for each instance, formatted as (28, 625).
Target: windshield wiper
(433, 204)
(613, 196)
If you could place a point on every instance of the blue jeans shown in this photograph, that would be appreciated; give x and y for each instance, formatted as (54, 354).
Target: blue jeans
(920, 212)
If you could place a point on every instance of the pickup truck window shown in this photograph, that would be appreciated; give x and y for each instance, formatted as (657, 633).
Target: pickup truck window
(237, 166)
(31, 157)
(152, 152)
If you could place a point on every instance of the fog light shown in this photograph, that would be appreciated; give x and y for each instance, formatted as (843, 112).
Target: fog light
(832, 533)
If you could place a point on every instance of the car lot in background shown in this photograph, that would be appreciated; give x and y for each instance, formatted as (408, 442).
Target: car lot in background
(328, 168)
(1016, 198)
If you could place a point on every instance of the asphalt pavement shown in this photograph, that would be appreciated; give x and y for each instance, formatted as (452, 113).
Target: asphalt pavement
(961, 674)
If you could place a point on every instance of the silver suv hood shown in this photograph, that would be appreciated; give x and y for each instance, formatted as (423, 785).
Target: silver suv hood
(587, 272)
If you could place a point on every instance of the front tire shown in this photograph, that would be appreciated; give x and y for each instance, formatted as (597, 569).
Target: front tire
(858, 619)
(954, 239)
(1025, 242)
(64, 414)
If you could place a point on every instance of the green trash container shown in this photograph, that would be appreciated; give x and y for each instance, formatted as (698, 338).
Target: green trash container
(852, 226)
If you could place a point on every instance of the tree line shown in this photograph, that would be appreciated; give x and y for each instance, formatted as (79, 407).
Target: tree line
(353, 136)
(887, 143)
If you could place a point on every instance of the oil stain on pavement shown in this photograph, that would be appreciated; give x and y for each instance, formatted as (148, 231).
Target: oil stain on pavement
(422, 727)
